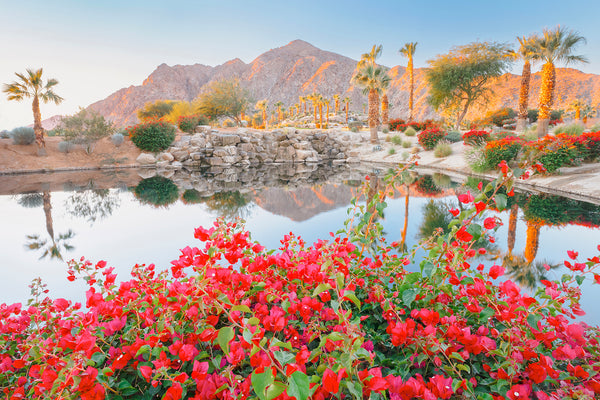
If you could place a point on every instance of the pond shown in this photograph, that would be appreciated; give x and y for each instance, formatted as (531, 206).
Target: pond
(133, 217)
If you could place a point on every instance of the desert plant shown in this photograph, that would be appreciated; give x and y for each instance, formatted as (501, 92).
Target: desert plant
(155, 110)
(223, 98)
(228, 123)
(85, 128)
(117, 139)
(430, 137)
(23, 135)
(406, 144)
(574, 129)
(397, 140)
(354, 129)
(442, 181)
(475, 158)
(392, 151)
(152, 136)
(355, 126)
(410, 131)
(453, 137)
(396, 124)
(385, 130)
(442, 149)
(595, 128)
(65, 146)
(506, 149)
(187, 123)
(4, 134)
(475, 137)
(405, 155)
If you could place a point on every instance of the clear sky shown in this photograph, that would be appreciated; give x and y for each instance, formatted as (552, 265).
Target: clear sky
(96, 47)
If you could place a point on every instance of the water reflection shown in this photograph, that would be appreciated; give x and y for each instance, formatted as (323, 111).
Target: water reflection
(92, 204)
(157, 191)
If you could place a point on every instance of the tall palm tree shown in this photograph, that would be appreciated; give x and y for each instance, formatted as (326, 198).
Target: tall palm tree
(262, 105)
(556, 45)
(374, 80)
(587, 111)
(278, 106)
(532, 241)
(347, 101)
(303, 102)
(336, 98)
(31, 85)
(408, 51)
(385, 106)
(575, 107)
(370, 57)
(528, 54)
(327, 103)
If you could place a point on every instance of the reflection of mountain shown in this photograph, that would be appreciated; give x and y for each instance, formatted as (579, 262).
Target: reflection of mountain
(304, 203)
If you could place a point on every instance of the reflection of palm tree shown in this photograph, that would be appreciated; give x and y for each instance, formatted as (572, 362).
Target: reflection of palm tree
(57, 244)
(92, 204)
(512, 227)
(532, 242)
(405, 227)
(524, 273)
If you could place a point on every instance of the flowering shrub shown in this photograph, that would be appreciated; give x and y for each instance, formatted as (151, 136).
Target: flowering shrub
(430, 137)
(187, 123)
(505, 149)
(152, 136)
(554, 152)
(426, 186)
(342, 318)
(395, 124)
(475, 137)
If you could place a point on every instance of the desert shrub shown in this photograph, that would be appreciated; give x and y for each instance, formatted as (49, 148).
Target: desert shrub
(187, 123)
(4, 134)
(405, 155)
(589, 145)
(532, 115)
(554, 152)
(442, 181)
(397, 140)
(475, 137)
(396, 124)
(498, 117)
(65, 146)
(152, 136)
(475, 158)
(410, 131)
(442, 149)
(117, 139)
(157, 191)
(430, 137)
(354, 129)
(453, 137)
(385, 130)
(155, 110)
(85, 128)
(23, 135)
(595, 128)
(228, 123)
(426, 186)
(501, 135)
(506, 149)
(570, 129)
(406, 144)
(355, 124)
(392, 151)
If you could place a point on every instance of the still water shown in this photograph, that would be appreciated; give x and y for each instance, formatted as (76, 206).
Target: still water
(132, 217)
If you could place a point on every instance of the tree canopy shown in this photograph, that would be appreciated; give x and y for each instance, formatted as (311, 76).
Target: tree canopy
(156, 109)
(224, 98)
(460, 78)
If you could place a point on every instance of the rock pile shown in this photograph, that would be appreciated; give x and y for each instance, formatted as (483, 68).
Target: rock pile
(210, 148)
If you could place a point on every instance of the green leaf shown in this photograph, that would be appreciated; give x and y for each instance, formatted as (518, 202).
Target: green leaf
(533, 319)
(98, 358)
(580, 279)
(355, 388)
(298, 386)
(241, 307)
(428, 269)
(284, 357)
(413, 277)
(275, 390)
(224, 337)
(260, 382)
(145, 349)
(321, 288)
(501, 201)
(486, 313)
(457, 356)
(126, 389)
(475, 230)
(339, 277)
(253, 321)
(279, 343)
(352, 297)
(408, 296)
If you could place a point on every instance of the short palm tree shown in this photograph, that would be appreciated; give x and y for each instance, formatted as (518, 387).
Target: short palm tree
(336, 98)
(31, 85)
(347, 101)
(528, 54)
(262, 105)
(575, 108)
(278, 106)
(556, 45)
(385, 106)
(374, 80)
(408, 51)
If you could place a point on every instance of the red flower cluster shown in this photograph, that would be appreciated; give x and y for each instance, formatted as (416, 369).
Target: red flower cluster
(430, 137)
(475, 137)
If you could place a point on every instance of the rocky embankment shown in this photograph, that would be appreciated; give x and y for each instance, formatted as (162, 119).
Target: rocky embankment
(211, 148)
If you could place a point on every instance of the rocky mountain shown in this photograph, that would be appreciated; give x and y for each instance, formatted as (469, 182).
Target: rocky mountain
(299, 68)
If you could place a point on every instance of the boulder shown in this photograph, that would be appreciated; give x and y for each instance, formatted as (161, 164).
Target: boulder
(168, 157)
(146, 159)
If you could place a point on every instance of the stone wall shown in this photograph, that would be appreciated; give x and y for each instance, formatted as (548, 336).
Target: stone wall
(250, 147)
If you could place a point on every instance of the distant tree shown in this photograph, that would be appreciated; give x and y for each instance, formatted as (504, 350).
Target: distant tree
(179, 109)
(526, 52)
(336, 98)
(575, 107)
(224, 98)
(347, 101)
(85, 128)
(31, 85)
(278, 106)
(556, 45)
(262, 106)
(408, 51)
(374, 80)
(460, 78)
(155, 109)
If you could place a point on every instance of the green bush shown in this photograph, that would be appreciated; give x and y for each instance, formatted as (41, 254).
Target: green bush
(152, 136)
(187, 123)
(571, 129)
(453, 137)
(85, 128)
(355, 126)
(406, 144)
(392, 151)
(386, 130)
(192, 196)
(4, 134)
(410, 131)
(442, 149)
(397, 140)
(475, 158)
(157, 191)
(23, 135)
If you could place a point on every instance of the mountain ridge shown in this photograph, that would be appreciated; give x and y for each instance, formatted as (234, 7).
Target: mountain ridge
(299, 68)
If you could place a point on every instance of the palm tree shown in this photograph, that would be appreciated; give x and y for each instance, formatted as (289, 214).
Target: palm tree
(278, 106)
(336, 98)
(303, 101)
(587, 111)
(408, 51)
(369, 58)
(556, 45)
(532, 241)
(32, 86)
(575, 107)
(262, 105)
(526, 53)
(385, 105)
(327, 103)
(347, 101)
(297, 105)
(374, 80)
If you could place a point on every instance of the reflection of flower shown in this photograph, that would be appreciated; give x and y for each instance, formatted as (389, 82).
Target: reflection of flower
(426, 186)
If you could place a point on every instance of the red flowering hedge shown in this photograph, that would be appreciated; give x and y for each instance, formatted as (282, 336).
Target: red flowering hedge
(343, 318)
(187, 123)
(396, 124)
(506, 149)
(475, 137)
(430, 137)
(401, 125)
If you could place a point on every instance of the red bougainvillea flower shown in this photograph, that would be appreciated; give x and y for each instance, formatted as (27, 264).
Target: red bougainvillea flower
(489, 223)
(454, 211)
(466, 198)
(496, 271)
(519, 392)
(572, 254)
(463, 235)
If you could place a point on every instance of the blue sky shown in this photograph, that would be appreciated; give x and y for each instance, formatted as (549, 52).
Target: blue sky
(97, 47)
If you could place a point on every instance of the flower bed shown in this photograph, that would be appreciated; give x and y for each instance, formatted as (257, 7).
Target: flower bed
(475, 137)
(430, 137)
(341, 318)
(506, 149)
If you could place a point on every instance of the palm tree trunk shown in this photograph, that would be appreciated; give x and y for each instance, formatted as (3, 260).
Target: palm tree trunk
(524, 97)
(37, 127)
(385, 105)
(315, 112)
(48, 213)
(264, 116)
(405, 227)
(321, 115)
(346, 113)
(546, 98)
(411, 77)
(532, 241)
(327, 116)
(373, 114)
